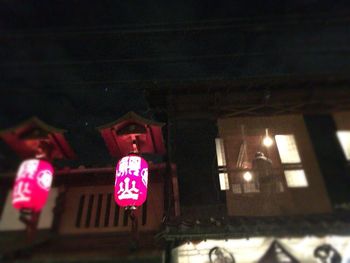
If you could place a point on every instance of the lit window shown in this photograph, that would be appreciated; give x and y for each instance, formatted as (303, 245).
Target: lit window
(344, 138)
(287, 148)
(223, 178)
(220, 152)
(296, 178)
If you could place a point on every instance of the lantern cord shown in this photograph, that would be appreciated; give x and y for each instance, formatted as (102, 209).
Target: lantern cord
(30, 219)
(135, 148)
(133, 215)
(44, 151)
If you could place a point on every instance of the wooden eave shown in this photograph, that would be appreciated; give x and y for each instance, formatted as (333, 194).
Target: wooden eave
(36, 121)
(254, 96)
(199, 228)
(130, 116)
(116, 145)
(55, 135)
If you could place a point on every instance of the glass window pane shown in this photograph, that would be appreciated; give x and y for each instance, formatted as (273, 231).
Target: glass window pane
(287, 148)
(220, 152)
(296, 178)
(223, 178)
(344, 138)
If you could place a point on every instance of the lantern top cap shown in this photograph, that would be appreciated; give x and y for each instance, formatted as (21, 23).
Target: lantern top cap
(130, 116)
(132, 132)
(33, 121)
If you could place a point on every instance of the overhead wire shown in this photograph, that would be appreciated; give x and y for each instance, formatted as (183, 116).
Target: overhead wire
(204, 24)
(342, 51)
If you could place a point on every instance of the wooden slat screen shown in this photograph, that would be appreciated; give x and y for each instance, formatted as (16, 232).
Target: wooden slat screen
(93, 209)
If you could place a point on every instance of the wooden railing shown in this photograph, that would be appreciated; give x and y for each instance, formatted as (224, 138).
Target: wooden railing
(92, 209)
(240, 186)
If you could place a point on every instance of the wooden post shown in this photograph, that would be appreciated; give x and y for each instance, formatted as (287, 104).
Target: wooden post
(175, 190)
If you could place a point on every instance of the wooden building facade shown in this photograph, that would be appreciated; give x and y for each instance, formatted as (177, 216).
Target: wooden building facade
(299, 198)
(81, 220)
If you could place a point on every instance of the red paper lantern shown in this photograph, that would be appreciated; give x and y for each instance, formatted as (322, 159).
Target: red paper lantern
(131, 181)
(32, 185)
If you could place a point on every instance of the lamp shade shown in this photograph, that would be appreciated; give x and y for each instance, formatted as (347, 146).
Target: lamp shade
(131, 180)
(32, 185)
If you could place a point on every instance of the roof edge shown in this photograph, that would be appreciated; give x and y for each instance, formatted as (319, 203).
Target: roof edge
(38, 122)
(131, 115)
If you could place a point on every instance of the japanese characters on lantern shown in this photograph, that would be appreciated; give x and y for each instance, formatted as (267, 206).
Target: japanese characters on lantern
(32, 185)
(131, 180)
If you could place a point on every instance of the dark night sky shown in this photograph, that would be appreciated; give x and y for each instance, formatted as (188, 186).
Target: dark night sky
(78, 66)
(57, 46)
(34, 14)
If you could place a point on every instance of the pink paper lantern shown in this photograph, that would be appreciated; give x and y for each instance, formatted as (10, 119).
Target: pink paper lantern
(131, 180)
(32, 185)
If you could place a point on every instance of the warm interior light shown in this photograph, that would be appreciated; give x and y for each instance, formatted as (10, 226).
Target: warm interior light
(267, 141)
(247, 176)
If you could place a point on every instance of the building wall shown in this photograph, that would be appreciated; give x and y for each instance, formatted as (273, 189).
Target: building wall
(342, 120)
(306, 200)
(330, 154)
(9, 220)
(254, 249)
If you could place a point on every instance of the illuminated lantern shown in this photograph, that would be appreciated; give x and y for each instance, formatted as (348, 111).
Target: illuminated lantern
(32, 185)
(131, 180)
